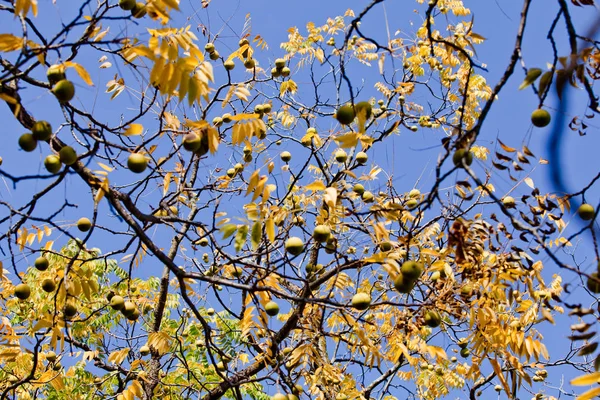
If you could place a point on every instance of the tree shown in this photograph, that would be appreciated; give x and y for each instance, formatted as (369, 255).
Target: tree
(254, 242)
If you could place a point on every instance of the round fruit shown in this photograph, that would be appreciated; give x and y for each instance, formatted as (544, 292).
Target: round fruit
(52, 163)
(84, 224)
(286, 156)
(508, 202)
(294, 246)
(221, 366)
(592, 285)
(127, 5)
(137, 163)
(64, 90)
(275, 73)
(229, 65)
(51, 356)
(321, 233)
(411, 204)
(139, 10)
(464, 352)
(414, 194)
(361, 157)
(217, 121)
(341, 156)
(214, 55)
(361, 301)
(249, 63)
(432, 319)
(345, 115)
(279, 396)
(41, 263)
(368, 197)
(237, 272)
(498, 388)
(27, 142)
(41, 130)
(403, 285)
(435, 276)
(209, 47)
(203, 242)
(267, 108)
(463, 343)
(461, 155)
(117, 302)
(586, 212)
(70, 310)
(128, 308)
(191, 142)
(231, 172)
(540, 118)
(210, 311)
(238, 167)
(226, 118)
(467, 290)
(358, 188)
(67, 155)
(134, 315)
(363, 107)
(272, 308)
(144, 350)
(22, 291)
(285, 71)
(279, 63)
(412, 270)
(55, 73)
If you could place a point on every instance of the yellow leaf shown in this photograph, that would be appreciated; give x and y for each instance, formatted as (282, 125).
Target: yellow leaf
(584, 380)
(10, 42)
(316, 185)
(270, 229)
(134, 130)
(80, 71)
(166, 183)
(105, 167)
(590, 394)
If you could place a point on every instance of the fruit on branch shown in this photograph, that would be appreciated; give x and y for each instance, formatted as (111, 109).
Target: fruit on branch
(285, 72)
(52, 163)
(56, 73)
(127, 5)
(286, 156)
(358, 188)
(128, 308)
(279, 63)
(144, 350)
(191, 142)
(84, 224)
(341, 156)
(117, 302)
(51, 356)
(41, 263)
(345, 114)
(385, 246)
(203, 242)
(267, 108)
(279, 396)
(231, 172)
(411, 204)
(365, 108)
(41, 130)
(586, 212)
(249, 63)
(591, 283)
(237, 272)
(402, 284)
(509, 202)
(229, 65)
(64, 91)
(361, 157)
(275, 73)
(137, 163)
(226, 118)
(134, 315)
(139, 10)
(361, 301)
(70, 310)
(414, 194)
(461, 155)
(22, 291)
(465, 353)
(294, 246)
(67, 155)
(540, 118)
(321, 233)
(368, 197)
(432, 319)
(412, 270)
(221, 366)
(214, 55)
(238, 167)
(272, 308)
(27, 142)
(209, 48)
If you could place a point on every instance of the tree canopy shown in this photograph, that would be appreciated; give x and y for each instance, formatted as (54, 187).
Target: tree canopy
(193, 211)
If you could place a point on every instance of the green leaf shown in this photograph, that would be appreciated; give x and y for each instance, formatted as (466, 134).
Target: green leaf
(256, 235)
(532, 75)
(228, 230)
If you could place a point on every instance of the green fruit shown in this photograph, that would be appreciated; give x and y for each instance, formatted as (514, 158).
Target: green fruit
(22, 291)
(586, 212)
(361, 157)
(466, 290)
(70, 310)
(321, 233)
(226, 118)
(238, 168)
(41, 263)
(48, 285)
(412, 270)
(229, 65)
(385, 246)
(231, 172)
(214, 55)
(403, 285)
(128, 308)
(210, 311)
(411, 204)
(209, 47)
(272, 308)
(117, 302)
(51, 356)
(221, 366)
(64, 91)
(279, 63)
(286, 156)
(279, 396)
(144, 350)
(191, 142)
(414, 194)
(267, 108)
(368, 197)
(127, 5)
(27, 142)
(55, 73)
(435, 276)
(461, 155)
(498, 388)
(341, 156)
(203, 242)
(133, 315)
(41, 130)
(465, 352)
(345, 115)
(540, 118)
(463, 343)
(432, 319)
(137, 163)
(285, 72)
(139, 10)
(592, 285)
(361, 301)
(52, 163)
(275, 73)
(363, 107)
(508, 202)
(67, 155)
(84, 224)
(294, 246)
(249, 63)
(358, 188)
